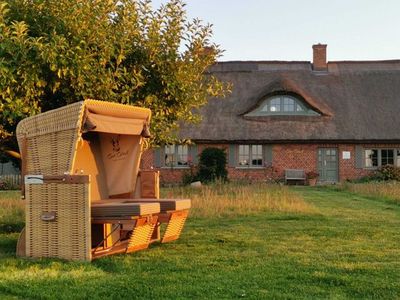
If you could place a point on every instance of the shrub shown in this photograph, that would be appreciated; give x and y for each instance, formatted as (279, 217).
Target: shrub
(6, 185)
(387, 172)
(212, 165)
(364, 179)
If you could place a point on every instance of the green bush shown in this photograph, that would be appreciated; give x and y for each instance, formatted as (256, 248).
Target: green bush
(387, 172)
(364, 179)
(7, 185)
(212, 165)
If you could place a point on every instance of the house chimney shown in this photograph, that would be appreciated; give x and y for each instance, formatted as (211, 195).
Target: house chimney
(319, 58)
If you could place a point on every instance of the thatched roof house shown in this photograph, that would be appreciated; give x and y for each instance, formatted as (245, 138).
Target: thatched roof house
(339, 119)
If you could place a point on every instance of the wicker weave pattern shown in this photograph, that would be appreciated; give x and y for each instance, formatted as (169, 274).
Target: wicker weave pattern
(50, 154)
(68, 236)
(51, 139)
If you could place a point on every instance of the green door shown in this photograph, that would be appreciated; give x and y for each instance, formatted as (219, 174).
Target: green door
(328, 164)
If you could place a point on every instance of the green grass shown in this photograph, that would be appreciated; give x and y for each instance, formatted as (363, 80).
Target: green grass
(387, 191)
(11, 211)
(237, 200)
(345, 246)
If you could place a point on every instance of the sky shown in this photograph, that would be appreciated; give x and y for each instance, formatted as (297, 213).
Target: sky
(287, 29)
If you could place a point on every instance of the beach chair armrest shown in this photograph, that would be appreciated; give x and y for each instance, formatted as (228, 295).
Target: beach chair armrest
(150, 184)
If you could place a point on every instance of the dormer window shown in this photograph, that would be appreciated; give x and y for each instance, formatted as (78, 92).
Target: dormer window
(281, 105)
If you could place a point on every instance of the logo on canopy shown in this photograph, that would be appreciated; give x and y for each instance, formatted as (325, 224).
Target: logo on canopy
(116, 153)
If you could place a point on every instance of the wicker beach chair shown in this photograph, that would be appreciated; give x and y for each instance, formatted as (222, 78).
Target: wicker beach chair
(81, 170)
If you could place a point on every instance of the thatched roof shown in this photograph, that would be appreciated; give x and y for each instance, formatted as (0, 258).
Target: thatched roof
(358, 101)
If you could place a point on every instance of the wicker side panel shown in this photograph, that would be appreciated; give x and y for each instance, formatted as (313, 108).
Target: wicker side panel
(51, 139)
(51, 154)
(63, 118)
(68, 236)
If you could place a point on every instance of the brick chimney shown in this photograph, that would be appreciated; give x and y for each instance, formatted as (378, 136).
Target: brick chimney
(319, 58)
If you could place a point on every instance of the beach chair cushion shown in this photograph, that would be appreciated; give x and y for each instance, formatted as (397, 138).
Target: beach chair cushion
(168, 204)
(121, 209)
(165, 204)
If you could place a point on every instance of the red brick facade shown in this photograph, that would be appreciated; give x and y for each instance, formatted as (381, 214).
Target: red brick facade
(284, 156)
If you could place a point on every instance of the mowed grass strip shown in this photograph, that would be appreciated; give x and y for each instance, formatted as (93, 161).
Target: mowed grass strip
(342, 246)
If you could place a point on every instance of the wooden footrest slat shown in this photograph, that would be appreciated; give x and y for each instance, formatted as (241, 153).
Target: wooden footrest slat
(175, 225)
(139, 239)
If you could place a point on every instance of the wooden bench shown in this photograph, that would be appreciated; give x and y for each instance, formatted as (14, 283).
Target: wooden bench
(294, 174)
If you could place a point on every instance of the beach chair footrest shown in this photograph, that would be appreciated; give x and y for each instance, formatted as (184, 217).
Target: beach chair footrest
(176, 220)
(139, 238)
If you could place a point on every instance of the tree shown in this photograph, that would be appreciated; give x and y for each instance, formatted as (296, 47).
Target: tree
(56, 52)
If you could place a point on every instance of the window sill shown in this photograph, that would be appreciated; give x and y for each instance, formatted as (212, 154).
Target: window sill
(250, 168)
(175, 168)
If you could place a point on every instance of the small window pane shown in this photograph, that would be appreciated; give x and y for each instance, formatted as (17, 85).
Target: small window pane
(398, 158)
(265, 108)
(182, 155)
(275, 105)
(288, 104)
(387, 157)
(170, 155)
(170, 149)
(371, 158)
(176, 155)
(256, 155)
(244, 155)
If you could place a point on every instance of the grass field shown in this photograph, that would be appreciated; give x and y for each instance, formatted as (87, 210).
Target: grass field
(387, 191)
(323, 243)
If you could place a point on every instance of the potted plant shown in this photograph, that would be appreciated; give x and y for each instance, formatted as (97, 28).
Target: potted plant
(312, 178)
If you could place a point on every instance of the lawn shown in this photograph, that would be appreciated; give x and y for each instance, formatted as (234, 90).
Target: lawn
(321, 243)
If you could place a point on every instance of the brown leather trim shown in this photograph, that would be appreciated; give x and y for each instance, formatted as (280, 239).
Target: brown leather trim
(67, 179)
(24, 150)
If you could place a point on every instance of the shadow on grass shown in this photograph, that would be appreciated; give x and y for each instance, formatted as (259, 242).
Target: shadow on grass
(8, 245)
(11, 227)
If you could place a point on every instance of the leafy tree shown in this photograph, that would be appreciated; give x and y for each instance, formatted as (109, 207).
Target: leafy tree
(56, 52)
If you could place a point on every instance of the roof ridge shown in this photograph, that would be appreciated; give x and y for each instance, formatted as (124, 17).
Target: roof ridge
(305, 62)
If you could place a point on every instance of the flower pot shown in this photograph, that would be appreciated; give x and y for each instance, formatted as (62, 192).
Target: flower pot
(312, 181)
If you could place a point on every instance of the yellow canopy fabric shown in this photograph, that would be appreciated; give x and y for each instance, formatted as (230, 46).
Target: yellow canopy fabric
(115, 125)
(120, 155)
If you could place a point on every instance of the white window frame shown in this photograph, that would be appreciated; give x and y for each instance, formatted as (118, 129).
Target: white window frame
(396, 162)
(250, 155)
(176, 151)
(278, 105)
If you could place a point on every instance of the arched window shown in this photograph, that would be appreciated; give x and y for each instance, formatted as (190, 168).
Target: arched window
(283, 105)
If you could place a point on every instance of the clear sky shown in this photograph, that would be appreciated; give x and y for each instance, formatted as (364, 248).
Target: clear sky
(287, 29)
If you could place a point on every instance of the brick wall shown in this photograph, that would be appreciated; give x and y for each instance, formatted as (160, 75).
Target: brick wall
(167, 175)
(284, 156)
